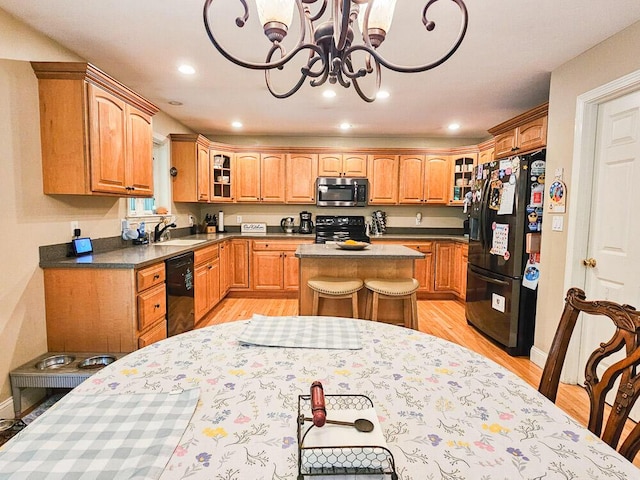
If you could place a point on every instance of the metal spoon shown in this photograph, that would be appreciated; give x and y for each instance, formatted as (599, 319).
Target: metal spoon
(361, 424)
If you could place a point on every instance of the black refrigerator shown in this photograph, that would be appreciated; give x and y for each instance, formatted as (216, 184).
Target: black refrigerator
(505, 221)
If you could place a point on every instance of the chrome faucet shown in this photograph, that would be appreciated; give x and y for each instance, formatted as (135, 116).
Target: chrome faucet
(158, 232)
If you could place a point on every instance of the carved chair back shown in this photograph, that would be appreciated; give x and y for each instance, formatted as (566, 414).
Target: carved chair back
(627, 336)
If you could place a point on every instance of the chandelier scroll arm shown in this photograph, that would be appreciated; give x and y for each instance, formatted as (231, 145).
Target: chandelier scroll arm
(305, 71)
(420, 68)
(354, 79)
(240, 21)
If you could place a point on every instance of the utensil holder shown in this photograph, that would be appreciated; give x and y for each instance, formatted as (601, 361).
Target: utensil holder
(372, 460)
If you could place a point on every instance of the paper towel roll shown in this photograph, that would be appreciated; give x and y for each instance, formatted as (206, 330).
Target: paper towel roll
(220, 221)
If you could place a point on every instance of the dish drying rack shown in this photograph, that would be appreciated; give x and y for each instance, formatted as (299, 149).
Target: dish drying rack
(326, 460)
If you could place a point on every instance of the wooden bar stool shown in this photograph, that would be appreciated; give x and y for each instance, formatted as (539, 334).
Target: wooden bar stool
(393, 289)
(336, 288)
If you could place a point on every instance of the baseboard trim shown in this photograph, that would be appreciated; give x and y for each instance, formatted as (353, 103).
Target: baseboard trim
(538, 357)
(6, 408)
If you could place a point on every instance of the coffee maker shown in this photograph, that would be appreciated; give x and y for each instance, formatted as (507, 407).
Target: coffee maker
(306, 225)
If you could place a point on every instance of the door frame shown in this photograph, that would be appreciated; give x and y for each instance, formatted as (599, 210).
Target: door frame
(580, 193)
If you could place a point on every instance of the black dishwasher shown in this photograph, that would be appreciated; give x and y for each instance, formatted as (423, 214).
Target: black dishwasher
(179, 278)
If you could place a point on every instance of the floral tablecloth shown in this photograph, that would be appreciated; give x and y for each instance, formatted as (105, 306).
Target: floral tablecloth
(446, 412)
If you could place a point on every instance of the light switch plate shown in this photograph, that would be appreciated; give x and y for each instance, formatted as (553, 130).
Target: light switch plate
(557, 224)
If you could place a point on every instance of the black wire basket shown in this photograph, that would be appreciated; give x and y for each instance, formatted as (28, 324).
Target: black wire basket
(340, 460)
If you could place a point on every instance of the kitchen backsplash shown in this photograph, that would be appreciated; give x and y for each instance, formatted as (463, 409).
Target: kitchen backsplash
(404, 217)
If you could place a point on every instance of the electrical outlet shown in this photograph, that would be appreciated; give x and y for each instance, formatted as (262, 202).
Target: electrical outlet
(74, 225)
(238, 218)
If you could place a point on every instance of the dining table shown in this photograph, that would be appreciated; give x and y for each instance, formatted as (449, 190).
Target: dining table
(238, 396)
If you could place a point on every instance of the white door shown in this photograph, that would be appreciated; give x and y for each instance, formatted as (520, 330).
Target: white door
(614, 231)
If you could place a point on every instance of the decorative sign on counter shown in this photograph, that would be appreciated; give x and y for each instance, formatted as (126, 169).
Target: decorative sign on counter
(253, 228)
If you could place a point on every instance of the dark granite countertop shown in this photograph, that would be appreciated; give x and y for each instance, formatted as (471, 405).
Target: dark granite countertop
(139, 256)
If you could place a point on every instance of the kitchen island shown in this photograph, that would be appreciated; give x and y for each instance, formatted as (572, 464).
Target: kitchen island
(379, 261)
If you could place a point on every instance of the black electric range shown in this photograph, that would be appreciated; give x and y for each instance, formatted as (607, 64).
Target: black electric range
(338, 228)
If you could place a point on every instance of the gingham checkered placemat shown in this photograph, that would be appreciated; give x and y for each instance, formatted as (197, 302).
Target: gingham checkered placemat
(126, 436)
(302, 332)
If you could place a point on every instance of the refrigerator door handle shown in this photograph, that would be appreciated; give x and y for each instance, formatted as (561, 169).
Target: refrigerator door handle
(483, 212)
(489, 279)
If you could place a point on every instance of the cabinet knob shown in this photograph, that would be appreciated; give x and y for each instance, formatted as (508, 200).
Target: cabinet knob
(156, 276)
(589, 262)
(210, 267)
(157, 305)
(514, 149)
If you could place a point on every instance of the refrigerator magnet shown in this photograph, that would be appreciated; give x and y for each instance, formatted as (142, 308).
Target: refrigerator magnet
(531, 275)
(500, 240)
(495, 195)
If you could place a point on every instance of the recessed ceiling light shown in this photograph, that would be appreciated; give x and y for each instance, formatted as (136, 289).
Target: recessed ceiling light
(186, 69)
(454, 126)
(345, 126)
(382, 94)
(236, 124)
(329, 94)
(175, 102)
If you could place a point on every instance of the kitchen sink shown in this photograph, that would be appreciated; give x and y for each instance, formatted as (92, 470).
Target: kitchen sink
(180, 242)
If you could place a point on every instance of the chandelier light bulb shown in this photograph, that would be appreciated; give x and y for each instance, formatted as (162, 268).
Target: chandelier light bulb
(380, 16)
(280, 11)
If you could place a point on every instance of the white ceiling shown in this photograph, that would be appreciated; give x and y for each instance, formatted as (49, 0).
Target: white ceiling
(502, 68)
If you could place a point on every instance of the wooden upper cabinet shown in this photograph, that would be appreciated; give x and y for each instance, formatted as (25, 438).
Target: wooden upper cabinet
(272, 184)
(412, 179)
(96, 133)
(437, 179)
(247, 175)
(342, 165)
(221, 179)
(521, 134)
(330, 165)
(301, 173)
(107, 139)
(259, 178)
(485, 155)
(204, 177)
(354, 165)
(140, 148)
(462, 167)
(190, 162)
(533, 134)
(383, 179)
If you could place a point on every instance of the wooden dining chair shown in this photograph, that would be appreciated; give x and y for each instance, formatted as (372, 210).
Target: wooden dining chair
(627, 335)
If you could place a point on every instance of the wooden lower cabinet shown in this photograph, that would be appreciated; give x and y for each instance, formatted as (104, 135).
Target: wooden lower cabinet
(226, 267)
(206, 282)
(274, 266)
(445, 266)
(424, 266)
(442, 273)
(240, 264)
(462, 258)
(104, 310)
(451, 268)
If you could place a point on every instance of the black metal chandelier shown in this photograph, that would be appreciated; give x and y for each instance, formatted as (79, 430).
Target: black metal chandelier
(329, 41)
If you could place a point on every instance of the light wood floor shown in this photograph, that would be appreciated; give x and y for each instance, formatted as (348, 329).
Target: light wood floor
(442, 318)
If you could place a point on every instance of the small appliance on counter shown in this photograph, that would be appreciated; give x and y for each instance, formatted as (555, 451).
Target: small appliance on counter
(306, 225)
(287, 224)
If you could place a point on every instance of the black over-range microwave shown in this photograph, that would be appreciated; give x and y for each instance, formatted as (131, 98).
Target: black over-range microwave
(341, 192)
